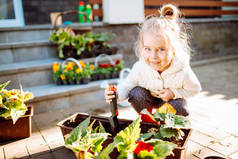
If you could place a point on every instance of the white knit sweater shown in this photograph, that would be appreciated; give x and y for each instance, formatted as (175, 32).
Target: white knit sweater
(179, 78)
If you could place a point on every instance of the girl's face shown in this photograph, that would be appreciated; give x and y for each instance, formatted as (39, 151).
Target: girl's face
(156, 52)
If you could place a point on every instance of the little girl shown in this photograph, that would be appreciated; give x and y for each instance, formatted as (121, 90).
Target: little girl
(162, 73)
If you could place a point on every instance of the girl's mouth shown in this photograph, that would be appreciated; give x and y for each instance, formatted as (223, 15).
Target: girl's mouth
(155, 62)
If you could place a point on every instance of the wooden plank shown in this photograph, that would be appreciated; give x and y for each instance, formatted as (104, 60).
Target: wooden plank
(98, 12)
(198, 12)
(208, 12)
(191, 3)
(95, 1)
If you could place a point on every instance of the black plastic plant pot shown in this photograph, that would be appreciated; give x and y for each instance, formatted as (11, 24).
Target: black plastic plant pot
(94, 77)
(107, 76)
(78, 81)
(69, 51)
(101, 76)
(84, 81)
(114, 75)
(72, 82)
(59, 82)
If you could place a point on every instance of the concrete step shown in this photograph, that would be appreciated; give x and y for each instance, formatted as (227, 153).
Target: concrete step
(21, 51)
(52, 97)
(33, 32)
(35, 73)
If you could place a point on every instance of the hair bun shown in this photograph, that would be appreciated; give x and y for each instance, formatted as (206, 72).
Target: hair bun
(169, 11)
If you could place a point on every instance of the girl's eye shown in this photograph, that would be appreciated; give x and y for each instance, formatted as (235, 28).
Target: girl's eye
(147, 49)
(161, 49)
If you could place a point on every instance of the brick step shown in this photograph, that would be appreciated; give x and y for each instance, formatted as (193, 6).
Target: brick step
(33, 32)
(22, 51)
(51, 97)
(39, 70)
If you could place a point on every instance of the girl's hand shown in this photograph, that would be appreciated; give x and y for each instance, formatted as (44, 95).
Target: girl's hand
(108, 93)
(166, 94)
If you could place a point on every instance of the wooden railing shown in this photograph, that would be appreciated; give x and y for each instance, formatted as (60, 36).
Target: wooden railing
(195, 8)
(188, 8)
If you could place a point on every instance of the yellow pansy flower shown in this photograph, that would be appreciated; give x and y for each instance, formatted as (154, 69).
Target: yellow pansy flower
(92, 67)
(82, 64)
(55, 67)
(62, 77)
(78, 71)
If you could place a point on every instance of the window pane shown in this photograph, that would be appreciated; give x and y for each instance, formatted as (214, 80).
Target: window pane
(7, 9)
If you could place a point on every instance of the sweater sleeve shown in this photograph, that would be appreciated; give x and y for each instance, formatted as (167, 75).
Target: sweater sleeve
(191, 86)
(128, 83)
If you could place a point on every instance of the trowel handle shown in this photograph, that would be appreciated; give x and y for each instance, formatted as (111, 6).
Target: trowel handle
(113, 105)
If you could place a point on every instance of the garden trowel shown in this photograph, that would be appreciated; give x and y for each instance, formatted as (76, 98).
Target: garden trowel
(113, 118)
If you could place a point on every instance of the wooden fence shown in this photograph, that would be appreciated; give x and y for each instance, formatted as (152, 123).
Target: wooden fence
(188, 8)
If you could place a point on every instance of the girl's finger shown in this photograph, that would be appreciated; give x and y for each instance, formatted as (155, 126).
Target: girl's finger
(108, 93)
(109, 97)
(109, 101)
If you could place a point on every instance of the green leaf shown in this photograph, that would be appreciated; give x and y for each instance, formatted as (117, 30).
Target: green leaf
(90, 127)
(101, 128)
(2, 86)
(159, 116)
(176, 121)
(168, 132)
(145, 136)
(124, 141)
(161, 148)
(147, 155)
(104, 154)
(128, 136)
(15, 114)
(78, 132)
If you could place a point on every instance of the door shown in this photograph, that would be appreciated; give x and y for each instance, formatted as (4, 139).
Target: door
(11, 13)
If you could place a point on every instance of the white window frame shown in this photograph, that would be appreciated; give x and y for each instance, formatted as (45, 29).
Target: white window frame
(19, 18)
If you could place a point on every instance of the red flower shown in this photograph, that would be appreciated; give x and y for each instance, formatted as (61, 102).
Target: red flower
(143, 146)
(105, 65)
(118, 61)
(100, 65)
(146, 118)
(111, 65)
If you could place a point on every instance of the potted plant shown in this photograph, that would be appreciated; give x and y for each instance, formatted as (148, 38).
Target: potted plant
(164, 134)
(84, 75)
(101, 45)
(72, 71)
(65, 39)
(57, 72)
(81, 45)
(87, 142)
(15, 116)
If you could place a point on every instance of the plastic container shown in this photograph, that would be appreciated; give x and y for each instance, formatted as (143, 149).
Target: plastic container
(88, 11)
(81, 8)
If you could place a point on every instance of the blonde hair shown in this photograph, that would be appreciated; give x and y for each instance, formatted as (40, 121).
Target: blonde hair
(167, 26)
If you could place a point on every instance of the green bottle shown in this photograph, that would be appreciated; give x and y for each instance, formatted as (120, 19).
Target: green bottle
(81, 8)
(88, 11)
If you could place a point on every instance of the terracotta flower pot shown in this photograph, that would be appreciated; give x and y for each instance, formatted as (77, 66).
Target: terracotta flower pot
(21, 129)
(68, 124)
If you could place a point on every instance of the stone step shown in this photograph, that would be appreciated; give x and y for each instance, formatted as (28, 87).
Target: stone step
(33, 32)
(51, 97)
(35, 73)
(13, 52)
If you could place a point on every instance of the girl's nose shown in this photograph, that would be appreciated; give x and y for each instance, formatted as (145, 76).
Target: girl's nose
(154, 53)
